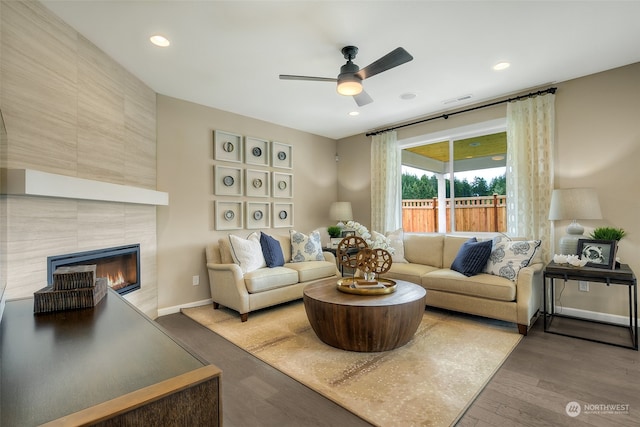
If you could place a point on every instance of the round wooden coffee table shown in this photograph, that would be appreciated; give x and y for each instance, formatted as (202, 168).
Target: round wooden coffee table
(364, 322)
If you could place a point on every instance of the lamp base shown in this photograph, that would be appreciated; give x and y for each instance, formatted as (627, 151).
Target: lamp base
(569, 243)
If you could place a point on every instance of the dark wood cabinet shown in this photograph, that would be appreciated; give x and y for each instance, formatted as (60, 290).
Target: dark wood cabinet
(107, 365)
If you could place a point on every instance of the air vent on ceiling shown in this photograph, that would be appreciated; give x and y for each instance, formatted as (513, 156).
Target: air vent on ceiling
(458, 99)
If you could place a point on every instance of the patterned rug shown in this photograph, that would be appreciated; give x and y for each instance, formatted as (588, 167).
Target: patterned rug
(428, 382)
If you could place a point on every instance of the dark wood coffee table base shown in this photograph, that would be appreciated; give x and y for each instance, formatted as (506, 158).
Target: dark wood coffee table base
(365, 323)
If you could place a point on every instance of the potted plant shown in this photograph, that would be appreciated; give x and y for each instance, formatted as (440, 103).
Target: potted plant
(334, 231)
(608, 233)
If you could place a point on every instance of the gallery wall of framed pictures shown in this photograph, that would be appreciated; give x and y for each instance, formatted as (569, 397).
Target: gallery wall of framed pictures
(252, 180)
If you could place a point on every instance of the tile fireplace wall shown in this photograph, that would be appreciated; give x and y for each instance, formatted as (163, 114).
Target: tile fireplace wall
(70, 109)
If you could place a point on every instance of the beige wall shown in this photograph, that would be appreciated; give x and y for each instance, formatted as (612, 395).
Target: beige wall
(597, 145)
(185, 171)
(70, 109)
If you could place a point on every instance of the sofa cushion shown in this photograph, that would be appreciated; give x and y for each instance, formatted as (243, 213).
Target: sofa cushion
(509, 256)
(409, 272)
(481, 285)
(451, 247)
(312, 270)
(424, 249)
(396, 239)
(306, 248)
(247, 253)
(271, 251)
(264, 279)
(472, 257)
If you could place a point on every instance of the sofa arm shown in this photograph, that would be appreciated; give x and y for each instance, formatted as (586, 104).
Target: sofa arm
(529, 292)
(226, 282)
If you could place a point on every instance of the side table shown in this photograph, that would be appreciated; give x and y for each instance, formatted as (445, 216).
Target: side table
(620, 276)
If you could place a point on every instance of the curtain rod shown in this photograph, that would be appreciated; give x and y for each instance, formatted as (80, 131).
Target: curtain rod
(446, 116)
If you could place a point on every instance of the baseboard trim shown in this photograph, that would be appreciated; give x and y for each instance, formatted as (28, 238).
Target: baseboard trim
(176, 308)
(594, 315)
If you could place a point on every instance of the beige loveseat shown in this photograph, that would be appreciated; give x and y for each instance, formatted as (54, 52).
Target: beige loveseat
(264, 287)
(429, 259)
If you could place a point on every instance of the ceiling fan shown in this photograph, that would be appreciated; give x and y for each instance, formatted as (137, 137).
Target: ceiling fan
(350, 78)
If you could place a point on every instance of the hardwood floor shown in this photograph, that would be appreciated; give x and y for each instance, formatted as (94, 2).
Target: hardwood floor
(532, 388)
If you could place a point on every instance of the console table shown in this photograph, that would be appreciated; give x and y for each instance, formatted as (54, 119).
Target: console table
(107, 365)
(620, 276)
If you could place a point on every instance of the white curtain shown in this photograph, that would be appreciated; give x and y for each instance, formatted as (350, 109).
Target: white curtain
(386, 184)
(530, 140)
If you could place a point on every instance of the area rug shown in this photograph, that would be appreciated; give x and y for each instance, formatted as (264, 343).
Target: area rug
(428, 382)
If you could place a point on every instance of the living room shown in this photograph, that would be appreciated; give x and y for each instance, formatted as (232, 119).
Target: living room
(597, 145)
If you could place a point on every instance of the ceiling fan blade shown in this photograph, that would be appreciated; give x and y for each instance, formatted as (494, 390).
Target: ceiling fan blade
(392, 59)
(362, 98)
(308, 78)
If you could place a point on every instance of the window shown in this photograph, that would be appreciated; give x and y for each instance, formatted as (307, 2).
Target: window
(476, 159)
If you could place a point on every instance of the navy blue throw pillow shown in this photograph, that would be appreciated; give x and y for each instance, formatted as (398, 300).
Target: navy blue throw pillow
(472, 257)
(271, 250)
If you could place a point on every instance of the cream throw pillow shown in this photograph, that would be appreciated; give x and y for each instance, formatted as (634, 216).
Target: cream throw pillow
(247, 253)
(306, 248)
(396, 239)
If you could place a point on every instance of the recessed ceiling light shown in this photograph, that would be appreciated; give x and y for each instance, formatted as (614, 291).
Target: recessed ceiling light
(407, 96)
(497, 158)
(501, 66)
(354, 113)
(159, 40)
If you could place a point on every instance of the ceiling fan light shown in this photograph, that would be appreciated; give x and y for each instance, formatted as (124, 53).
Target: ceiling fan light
(349, 85)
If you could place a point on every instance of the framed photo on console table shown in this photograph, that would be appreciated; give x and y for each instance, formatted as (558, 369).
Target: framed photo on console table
(598, 253)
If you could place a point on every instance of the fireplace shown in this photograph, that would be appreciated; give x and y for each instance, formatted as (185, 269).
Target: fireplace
(120, 265)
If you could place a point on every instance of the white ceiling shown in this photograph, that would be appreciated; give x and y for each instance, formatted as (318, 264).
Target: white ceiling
(228, 54)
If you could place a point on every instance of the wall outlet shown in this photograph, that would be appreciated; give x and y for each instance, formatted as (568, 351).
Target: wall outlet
(195, 281)
(583, 286)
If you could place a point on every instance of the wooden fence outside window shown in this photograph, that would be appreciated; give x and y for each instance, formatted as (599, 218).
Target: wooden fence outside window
(482, 213)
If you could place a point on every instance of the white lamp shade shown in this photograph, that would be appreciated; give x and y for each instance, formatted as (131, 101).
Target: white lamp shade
(574, 204)
(341, 211)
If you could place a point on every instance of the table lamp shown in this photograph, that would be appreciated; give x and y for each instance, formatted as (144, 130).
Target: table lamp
(341, 212)
(573, 204)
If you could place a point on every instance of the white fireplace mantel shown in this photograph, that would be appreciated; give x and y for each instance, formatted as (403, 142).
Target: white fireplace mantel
(29, 182)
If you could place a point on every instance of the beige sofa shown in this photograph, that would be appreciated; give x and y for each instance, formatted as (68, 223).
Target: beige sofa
(264, 287)
(429, 257)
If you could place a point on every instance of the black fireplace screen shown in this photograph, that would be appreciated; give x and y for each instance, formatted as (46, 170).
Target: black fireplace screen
(120, 265)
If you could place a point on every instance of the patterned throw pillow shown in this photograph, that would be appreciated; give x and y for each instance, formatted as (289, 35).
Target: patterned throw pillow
(472, 257)
(306, 248)
(508, 257)
(247, 253)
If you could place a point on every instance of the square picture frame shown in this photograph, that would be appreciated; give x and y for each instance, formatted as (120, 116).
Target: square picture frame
(598, 253)
(347, 233)
(282, 185)
(281, 155)
(227, 181)
(227, 146)
(257, 215)
(256, 151)
(282, 215)
(257, 183)
(228, 215)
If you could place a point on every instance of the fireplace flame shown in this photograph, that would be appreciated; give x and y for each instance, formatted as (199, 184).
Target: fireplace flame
(116, 280)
